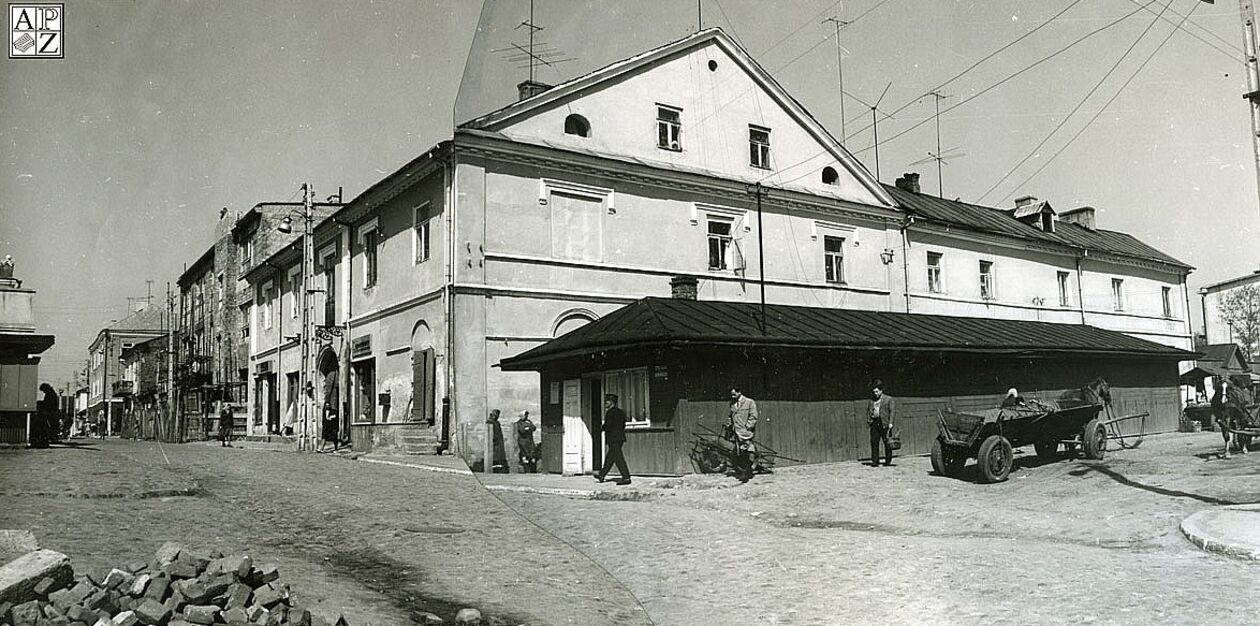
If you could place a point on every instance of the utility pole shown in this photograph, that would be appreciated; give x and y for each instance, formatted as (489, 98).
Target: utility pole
(170, 358)
(308, 251)
(1248, 13)
(839, 23)
(758, 190)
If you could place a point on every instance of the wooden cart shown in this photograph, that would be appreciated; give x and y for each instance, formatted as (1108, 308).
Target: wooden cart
(990, 436)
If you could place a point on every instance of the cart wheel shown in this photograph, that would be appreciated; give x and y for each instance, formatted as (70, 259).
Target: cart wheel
(1094, 439)
(947, 460)
(995, 459)
(1047, 449)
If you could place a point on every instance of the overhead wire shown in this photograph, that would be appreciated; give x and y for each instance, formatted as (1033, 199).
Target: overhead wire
(1235, 51)
(1107, 104)
(1092, 91)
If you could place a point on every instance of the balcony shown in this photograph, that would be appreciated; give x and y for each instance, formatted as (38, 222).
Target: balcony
(124, 387)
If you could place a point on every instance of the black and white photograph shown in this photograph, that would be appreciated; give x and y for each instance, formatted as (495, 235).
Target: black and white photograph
(668, 312)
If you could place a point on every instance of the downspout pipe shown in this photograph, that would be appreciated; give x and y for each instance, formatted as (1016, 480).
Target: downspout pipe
(905, 258)
(1080, 279)
(448, 299)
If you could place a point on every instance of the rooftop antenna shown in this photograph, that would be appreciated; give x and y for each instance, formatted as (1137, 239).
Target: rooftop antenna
(945, 157)
(875, 125)
(537, 52)
(839, 23)
(699, 15)
(940, 184)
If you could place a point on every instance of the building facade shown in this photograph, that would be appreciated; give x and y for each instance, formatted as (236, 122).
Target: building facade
(144, 391)
(20, 347)
(104, 369)
(1215, 328)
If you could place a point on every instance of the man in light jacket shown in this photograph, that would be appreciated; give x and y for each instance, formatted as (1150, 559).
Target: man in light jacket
(743, 424)
(880, 418)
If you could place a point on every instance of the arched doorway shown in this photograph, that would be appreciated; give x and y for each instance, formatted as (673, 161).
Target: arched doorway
(329, 368)
(423, 374)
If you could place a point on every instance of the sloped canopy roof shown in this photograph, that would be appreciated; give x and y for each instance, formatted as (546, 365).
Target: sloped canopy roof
(1227, 357)
(667, 322)
(1001, 222)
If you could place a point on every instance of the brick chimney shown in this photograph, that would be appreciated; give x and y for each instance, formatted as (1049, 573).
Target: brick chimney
(683, 287)
(908, 182)
(1023, 201)
(531, 88)
(1082, 216)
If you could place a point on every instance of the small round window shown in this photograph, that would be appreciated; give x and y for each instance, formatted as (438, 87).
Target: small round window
(712, 65)
(577, 125)
(829, 176)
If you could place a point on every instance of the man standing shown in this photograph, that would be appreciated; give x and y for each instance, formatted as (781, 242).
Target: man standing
(880, 419)
(743, 425)
(614, 437)
(225, 426)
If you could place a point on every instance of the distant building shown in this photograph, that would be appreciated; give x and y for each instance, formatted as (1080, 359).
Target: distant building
(143, 389)
(1217, 330)
(104, 369)
(20, 347)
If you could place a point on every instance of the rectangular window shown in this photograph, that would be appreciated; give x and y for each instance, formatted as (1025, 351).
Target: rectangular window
(1064, 300)
(934, 272)
(222, 290)
(631, 388)
(1166, 292)
(988, 289)
(328, 263)
(370, 245)
(420, 240)
(1117, 294)
(719, 241)
(576, 226)
(759, 147)
(294, 295)
(668, 128)
(247, 255)
(833, 257)
(265, 296)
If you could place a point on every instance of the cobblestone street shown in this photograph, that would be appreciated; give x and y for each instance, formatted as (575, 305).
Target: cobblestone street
(378, 543)
(1063, 542)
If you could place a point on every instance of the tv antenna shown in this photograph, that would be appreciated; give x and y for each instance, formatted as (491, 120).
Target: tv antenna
(537, 52)
(875, 112)
(839, 23)
(939, 157)
(950, 154)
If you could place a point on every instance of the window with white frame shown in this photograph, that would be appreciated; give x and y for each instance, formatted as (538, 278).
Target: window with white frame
(420, 220)
(369, 238)
(1166, 294)
(759, 147)
(328, 266)
(631, 389)
(934, 262)
(247, 254)
(264, 300)
(294, 294)
(1064, 299)
(222, 290)
(1117, 294)
(988, 288)
(668, 128)
(833, 258)
(720, 236)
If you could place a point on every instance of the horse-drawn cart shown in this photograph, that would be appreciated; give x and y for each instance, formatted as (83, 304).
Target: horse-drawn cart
(990, 436)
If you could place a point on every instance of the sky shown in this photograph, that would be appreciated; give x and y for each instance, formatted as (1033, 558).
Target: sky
(116, 161)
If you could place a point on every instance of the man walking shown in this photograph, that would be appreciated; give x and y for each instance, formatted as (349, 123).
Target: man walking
(614, 437)
(880, 419)
(743, 425)
(225, 426)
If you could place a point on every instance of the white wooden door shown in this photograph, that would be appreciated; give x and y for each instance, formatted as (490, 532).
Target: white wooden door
(577, 436)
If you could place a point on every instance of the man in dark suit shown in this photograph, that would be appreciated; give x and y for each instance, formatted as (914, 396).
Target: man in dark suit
(880, 418)
(614, 437)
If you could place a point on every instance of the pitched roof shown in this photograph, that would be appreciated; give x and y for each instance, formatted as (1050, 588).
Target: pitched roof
(493, 120)
(662, 322)
(1226, 355)
(1002, 222)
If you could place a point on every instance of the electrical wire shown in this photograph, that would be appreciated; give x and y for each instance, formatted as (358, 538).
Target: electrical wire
(1092, 91)
(1108, 103)
(1235, 52)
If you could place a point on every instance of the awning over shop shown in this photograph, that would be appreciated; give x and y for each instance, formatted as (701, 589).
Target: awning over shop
(673, 323)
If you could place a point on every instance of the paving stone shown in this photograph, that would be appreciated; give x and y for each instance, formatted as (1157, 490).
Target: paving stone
(468, 616)
(318, 620)
(180, 569)
(218, 585)
(193, 590)
(254, 612)
(52, 612)
(19, 577)
(98, 600)
(117, 578)
(139, 585)
(201, 613)
(15, 543)
(25, 614)
(168, 552)
(153, 613)
(267, 596)
(299, 616)
(135, 567)
(263, 575)
(126, 618)
(238, 595)
(235, 615)
(158, 587)
(45, 586)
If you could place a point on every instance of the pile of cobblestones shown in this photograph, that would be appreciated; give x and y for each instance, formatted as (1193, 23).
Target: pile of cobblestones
(179, 587)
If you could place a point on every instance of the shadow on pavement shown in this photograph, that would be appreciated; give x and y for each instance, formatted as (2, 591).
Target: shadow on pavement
(1123, 480)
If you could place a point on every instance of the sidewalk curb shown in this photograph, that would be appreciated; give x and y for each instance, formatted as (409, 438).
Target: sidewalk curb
(580, 494)
(1195, 528)
(430, 468)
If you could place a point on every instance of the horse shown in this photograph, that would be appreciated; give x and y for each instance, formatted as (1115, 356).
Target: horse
(1097, 392)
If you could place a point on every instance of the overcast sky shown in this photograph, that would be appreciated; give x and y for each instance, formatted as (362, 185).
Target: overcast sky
(117, 159)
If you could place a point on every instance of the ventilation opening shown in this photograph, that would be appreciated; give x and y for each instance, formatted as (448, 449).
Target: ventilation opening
(577, 125)
(829, 176)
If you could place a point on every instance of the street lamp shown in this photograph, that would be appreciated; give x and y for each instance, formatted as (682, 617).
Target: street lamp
(306, 387)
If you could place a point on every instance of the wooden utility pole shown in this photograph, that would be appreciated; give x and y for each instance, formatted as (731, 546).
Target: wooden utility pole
(170, 363)
(1248, 14)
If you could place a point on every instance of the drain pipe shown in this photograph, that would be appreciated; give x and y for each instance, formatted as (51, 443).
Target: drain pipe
(448, 299)
(905, 258)
(1080, 289)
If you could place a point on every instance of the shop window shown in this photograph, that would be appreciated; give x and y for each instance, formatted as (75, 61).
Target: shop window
(631, 388)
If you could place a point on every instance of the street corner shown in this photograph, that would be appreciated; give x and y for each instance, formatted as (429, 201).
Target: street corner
(1232, 531)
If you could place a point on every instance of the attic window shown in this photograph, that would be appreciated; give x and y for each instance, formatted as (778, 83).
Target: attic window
(1047, 222)
(577, 125)
(668, 128)
(829, 176)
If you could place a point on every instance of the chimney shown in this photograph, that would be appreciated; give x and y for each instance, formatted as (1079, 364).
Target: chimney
(683, 287)
(531, 88)
(1023, 201)
(1082, 216)
(908, 182)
